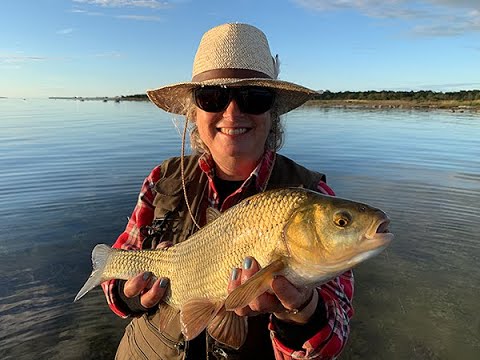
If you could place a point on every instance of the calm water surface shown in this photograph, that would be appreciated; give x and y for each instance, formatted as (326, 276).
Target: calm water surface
(69, 176)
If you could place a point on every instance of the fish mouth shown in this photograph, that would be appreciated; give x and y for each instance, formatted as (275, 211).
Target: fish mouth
(379, 234)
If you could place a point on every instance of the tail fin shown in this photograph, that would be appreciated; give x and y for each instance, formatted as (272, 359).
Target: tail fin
(100, 255)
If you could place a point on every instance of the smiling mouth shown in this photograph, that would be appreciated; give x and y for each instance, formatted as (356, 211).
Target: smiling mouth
(233, 131)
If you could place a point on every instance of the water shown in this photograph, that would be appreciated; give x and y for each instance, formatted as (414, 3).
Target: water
(70, 173)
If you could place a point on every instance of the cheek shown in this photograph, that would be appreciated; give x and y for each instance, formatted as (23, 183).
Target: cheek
(264, 122)
(204, 122)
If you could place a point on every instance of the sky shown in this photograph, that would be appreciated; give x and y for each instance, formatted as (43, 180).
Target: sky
(124, 47)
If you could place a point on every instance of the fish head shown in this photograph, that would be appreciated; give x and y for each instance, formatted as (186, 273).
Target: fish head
(327, 235)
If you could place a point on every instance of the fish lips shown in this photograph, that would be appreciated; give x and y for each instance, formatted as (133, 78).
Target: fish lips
(379, 234)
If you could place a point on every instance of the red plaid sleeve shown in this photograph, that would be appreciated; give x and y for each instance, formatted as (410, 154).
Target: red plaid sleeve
(131, 238)
(330, 340)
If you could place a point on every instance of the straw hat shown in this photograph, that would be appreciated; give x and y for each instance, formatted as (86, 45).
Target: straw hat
(232, 55)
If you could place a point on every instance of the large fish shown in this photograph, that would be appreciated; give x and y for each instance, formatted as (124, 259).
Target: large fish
(308, 237)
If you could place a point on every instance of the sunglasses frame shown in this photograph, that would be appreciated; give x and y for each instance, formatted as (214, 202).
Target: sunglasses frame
(242, 96)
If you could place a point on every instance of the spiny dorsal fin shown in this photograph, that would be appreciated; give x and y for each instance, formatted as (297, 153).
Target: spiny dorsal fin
(228, 328)
(212, 214)
(253, 287)
(196, 314)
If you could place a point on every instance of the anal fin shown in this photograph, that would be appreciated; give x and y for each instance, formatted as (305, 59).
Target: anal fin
(196, 314)
(228, 328)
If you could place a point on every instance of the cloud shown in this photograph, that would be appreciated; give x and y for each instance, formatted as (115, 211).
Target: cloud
(91, 13)
(426, 17)
(65, 31)
(18, 59)
(139, 17)
(112, 54)
(152, 4)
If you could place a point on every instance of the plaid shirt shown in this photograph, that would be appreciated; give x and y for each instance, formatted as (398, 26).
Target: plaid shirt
(337, 294)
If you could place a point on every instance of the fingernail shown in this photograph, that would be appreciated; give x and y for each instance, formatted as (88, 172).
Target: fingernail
(147, 275)
(235, 274)
(163, 283)
(152, 281)
(247, 263)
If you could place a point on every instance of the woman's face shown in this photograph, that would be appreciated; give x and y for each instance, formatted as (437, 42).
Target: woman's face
(234, 134)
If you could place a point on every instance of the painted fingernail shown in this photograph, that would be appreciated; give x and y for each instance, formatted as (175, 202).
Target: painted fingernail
(152, 281)
(147, 275)
(247, 263)
(163, 283)
(235, 273)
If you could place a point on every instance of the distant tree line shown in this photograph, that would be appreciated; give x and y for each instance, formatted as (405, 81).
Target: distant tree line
(134, 97)
(424, 95)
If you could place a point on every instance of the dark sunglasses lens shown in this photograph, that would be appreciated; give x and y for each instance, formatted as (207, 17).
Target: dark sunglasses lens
(255, 100)
(212, 98)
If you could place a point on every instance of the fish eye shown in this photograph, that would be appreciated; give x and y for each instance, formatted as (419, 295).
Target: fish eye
(342, 219)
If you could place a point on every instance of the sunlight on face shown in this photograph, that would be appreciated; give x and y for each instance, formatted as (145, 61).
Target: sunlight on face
(234, 134)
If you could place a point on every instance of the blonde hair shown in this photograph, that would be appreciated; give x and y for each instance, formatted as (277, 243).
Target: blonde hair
(274, 141)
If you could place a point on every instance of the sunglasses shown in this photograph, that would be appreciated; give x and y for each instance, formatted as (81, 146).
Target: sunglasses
(253, 100)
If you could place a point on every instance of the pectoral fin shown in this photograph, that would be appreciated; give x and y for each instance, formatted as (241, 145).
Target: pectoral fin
(253, 287)
(228, 328)
(196, 314)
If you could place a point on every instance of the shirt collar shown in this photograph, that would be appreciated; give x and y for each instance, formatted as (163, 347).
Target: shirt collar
(261, 173)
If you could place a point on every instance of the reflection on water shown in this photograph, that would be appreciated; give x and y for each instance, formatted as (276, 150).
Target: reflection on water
(69, 177)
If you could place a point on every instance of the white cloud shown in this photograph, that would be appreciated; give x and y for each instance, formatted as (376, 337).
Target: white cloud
(91, 13)
(427, 17)
(18, 59)
(112, 54)
(139, 17)
(153, 4)
(65, 31)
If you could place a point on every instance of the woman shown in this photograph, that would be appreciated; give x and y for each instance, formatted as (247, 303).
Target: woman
(233, 104)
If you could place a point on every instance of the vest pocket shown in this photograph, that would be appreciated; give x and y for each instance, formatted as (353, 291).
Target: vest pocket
(142, 340)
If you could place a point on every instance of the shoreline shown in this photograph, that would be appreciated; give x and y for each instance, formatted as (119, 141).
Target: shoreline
(451, 105)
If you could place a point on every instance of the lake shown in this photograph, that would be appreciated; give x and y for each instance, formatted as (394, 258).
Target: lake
(70, 172)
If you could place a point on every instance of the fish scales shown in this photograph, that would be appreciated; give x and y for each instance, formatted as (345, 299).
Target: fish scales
(308, 237)
(200, 267)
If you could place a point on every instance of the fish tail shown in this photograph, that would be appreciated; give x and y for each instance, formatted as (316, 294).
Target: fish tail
(100, 255)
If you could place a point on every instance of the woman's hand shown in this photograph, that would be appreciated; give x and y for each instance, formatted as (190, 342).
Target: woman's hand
(150, 289)
(284, 300)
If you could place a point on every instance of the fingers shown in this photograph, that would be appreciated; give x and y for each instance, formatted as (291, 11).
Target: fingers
(153, 296)
(164, 245)
(265, 303)
(235, 279)
(298, 305)
(137, 284)
(150, 289)
(289, 295)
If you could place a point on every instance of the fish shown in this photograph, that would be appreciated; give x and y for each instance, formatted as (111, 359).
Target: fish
(308, 237)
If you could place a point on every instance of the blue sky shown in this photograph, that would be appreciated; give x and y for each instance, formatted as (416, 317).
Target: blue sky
(122, 47)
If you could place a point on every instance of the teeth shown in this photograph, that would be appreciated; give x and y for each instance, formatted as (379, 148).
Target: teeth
(233, 131)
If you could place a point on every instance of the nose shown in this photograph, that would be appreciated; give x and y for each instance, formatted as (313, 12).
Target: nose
(232, 109)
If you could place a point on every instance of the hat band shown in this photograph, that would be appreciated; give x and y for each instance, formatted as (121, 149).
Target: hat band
(229, 73)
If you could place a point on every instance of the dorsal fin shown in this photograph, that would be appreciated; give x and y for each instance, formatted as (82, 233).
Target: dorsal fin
(212, 214)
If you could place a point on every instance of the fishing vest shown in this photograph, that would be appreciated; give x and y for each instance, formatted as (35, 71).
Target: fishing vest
(142, 338)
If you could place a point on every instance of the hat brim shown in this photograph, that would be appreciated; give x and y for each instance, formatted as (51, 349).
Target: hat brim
(289, 96)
